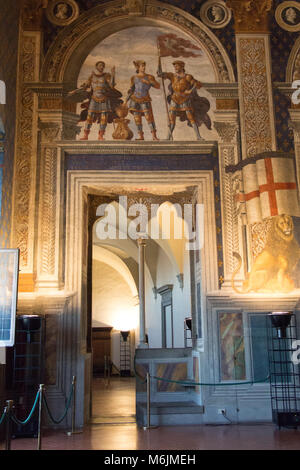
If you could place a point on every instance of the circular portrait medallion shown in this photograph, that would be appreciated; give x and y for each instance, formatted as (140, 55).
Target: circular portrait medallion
(215, 14)
(287, 15)
(62, 12)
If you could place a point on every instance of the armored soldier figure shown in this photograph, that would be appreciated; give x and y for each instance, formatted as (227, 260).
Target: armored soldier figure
(101, 85)
(140, 100)
(183, 99)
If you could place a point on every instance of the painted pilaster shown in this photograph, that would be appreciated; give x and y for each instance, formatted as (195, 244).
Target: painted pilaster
(254, 75)
(227, 126)
(54, 126)
(255, 92)
(25, 167)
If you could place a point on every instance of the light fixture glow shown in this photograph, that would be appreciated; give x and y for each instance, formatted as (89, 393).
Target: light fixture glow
(126, 320)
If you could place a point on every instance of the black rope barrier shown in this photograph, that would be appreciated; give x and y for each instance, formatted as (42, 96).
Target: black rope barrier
(9, 416)
(26, 421)
(3, 416)
(182, 382)
(58, 421)
(190, 383)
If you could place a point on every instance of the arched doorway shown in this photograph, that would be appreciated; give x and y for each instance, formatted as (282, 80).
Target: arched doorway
(114, 277)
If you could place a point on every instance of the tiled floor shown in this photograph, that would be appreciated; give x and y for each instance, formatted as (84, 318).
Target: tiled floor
(113, 428)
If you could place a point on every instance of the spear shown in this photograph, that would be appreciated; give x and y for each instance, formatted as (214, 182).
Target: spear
(164, 89)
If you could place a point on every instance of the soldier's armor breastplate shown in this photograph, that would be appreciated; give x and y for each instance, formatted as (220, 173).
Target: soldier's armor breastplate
(100, 88)
(141, 90)
(180, 85)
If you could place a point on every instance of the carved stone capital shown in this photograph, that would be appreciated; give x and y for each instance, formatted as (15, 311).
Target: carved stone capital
(57, 126)
(251, 15)
(227, 131)
(50, 133)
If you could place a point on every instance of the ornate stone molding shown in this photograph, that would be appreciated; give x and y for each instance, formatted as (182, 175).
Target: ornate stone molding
(227, 127)
(48, 196)
(147, 199)
(96, 23)
(296, 71)
(141, 148)
(293, 67)
(230, 212)
(24, 160)
(130, 7)
(251, 15)
(256, 102)
(224, 91)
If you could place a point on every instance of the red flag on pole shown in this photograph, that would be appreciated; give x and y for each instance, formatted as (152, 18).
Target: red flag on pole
(171, 45)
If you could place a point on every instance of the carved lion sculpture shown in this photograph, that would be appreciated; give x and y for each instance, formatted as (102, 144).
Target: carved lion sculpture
(272, 268)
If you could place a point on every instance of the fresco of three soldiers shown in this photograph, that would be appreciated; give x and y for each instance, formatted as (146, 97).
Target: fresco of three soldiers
(183, 100)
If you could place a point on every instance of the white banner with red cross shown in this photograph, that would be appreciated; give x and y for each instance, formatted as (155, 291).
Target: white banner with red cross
(270, 188)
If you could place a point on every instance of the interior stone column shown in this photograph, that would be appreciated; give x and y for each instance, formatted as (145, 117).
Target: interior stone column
(142, 326)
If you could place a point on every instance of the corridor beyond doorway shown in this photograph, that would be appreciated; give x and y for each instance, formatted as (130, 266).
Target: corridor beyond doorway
(113, 400)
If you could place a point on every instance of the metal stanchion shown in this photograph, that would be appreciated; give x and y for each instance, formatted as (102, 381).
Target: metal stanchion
(106, 375)
(74, 404)
(148, 382)
(41, 392)
(8, 411)
(73, 431)
(105, 368)
(148, 400)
